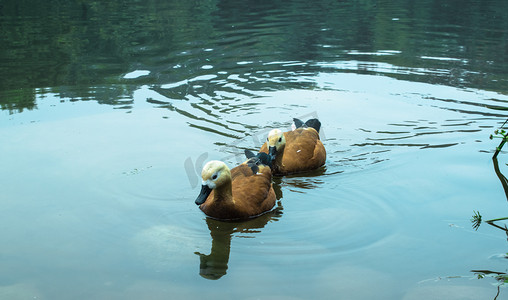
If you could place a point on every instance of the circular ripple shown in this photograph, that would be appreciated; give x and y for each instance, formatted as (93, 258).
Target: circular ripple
(325, 221)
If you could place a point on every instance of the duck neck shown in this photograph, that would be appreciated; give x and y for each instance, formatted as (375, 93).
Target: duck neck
(224, 193)
(278, 158)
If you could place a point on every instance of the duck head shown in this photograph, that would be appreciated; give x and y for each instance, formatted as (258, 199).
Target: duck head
(215, 174)
(276, 142)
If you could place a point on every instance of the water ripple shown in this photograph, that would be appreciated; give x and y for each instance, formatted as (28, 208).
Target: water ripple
(356, 221)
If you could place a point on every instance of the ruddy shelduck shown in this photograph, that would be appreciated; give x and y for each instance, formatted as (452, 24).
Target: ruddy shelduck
(295, 151)
(240, 193)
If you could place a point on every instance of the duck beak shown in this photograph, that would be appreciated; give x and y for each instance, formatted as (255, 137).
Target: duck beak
(272, 151)
(205, 191)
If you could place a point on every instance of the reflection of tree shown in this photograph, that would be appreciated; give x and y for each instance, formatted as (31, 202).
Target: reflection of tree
(502, 178)
(92, 43)
(504, 183)
(215, 264)
(477, 218)
(501, 277)
(18, 100)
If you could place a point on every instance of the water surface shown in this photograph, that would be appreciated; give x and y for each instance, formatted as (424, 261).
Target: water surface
(109, 110)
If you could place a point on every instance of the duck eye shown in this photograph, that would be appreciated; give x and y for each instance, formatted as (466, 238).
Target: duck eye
(214, 176)
(280, 139)
(267, 139)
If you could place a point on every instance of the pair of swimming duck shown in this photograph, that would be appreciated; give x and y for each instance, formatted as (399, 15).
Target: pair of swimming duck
(246, 190)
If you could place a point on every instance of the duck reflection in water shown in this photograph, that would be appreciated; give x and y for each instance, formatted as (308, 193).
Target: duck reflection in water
(310, 180)
(214, 265)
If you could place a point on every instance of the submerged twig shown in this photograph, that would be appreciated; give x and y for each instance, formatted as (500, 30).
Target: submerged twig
(501, 277)
(495, 220)
(502, 134)
(491, 222)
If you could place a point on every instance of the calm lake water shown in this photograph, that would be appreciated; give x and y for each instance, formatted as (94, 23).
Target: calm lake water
(109, 110)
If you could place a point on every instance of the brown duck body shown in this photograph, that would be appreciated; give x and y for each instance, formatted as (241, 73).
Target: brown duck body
(246, 193)
(303, 151)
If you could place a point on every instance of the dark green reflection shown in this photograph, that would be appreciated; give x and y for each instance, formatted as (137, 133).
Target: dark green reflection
(85, 44)
(215, 265)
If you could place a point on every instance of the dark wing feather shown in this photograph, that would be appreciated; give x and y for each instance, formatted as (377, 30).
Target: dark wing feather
(249, 154)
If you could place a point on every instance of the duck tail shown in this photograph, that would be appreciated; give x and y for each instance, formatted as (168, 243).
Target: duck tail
(298, 123)
(314, 123)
